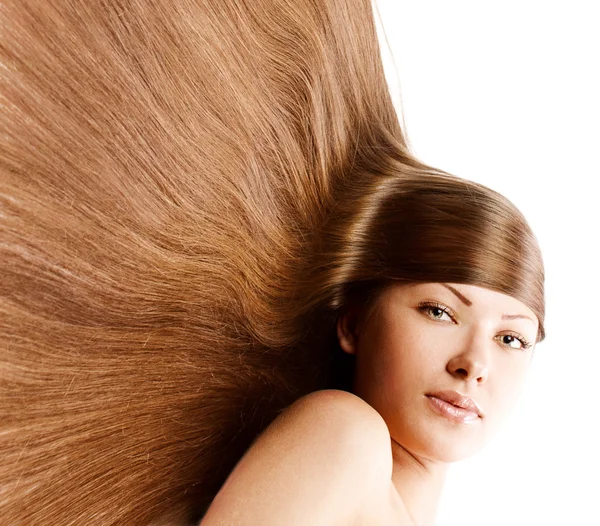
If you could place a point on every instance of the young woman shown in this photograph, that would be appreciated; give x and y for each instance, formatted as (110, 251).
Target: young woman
(210, 220)
(440, 302)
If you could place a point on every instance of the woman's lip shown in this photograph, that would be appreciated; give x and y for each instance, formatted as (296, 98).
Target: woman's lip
(451, 412)
(458, 400)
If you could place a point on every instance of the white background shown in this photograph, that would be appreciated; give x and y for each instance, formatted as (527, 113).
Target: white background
(506, 94)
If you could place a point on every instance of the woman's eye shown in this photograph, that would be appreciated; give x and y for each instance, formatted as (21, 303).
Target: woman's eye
(514, 342)
(437, 313)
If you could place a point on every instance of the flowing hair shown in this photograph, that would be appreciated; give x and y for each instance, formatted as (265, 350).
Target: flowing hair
(189, 194)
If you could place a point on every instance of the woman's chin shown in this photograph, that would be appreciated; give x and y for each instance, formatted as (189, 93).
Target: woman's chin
(443, 447)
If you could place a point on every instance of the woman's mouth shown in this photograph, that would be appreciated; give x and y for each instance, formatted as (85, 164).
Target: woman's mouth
(454, 407)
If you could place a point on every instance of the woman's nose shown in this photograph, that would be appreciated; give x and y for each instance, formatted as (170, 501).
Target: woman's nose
(472, 364)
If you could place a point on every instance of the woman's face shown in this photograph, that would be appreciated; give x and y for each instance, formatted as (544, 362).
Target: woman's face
(447, 340)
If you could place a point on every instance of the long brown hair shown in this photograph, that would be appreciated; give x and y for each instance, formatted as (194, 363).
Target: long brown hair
(187, 198)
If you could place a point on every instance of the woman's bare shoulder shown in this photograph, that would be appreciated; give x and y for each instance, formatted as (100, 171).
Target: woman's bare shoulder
(342, 407)
(317, 463)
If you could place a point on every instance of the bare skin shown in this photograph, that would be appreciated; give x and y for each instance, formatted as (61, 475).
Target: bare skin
(323, 461)
(380, 455)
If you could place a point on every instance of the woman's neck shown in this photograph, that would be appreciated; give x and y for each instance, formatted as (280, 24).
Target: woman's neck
(419, 483)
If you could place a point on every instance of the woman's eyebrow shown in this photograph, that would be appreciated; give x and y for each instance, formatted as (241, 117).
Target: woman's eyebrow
(516, 316)
(466, 301)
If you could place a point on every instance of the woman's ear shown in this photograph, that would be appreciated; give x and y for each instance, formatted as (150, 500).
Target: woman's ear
(346, 331)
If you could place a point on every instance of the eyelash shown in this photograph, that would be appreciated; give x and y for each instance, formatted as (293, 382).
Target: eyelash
(426, 305)
(526, 344)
